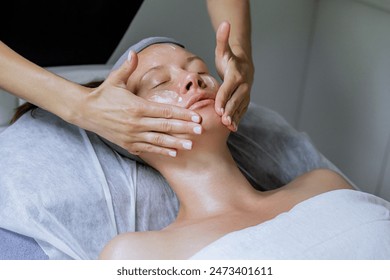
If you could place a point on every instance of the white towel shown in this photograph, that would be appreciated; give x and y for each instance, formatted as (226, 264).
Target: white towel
(340, 224)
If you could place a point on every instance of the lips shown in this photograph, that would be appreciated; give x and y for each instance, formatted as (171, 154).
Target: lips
(200, 100)
(201, 103)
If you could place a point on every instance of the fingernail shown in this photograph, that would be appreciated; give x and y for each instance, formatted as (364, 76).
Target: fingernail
(172, 153)
(129, 57)
(195, 119)
(235, 127)
(229, 119)
(222, 111)
(198, 129)
(187, 145)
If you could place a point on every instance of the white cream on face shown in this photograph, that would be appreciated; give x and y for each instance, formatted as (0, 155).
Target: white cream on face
(166, 97)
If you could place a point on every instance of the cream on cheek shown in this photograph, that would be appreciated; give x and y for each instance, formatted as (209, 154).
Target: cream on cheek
(166, 97)
(173, 98)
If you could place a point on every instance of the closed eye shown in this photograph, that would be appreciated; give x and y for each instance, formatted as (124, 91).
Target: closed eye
(159, 84)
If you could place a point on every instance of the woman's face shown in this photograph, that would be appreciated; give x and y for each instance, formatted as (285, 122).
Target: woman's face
(169, 74)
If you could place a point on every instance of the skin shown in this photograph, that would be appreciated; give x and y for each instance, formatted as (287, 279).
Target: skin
(112, 111)
(109, 110)
(233, 57)
(215, 198)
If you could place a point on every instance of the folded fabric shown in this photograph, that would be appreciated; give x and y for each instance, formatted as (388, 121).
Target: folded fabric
(340, 224)
(72, 193)
(63, 199)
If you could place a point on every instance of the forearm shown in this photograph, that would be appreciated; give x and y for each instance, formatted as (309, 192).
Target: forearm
(38, 86)
(237, 13)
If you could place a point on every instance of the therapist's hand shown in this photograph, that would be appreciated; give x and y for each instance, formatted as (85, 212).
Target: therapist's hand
(133, 123)
(236, 70)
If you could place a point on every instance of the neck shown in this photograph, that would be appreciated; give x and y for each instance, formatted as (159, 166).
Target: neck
(207, 183)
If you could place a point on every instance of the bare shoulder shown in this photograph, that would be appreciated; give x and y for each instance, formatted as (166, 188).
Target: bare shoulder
(318, 181)
(132, 245)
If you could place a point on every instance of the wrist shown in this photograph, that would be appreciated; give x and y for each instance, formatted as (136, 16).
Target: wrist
(73, 108)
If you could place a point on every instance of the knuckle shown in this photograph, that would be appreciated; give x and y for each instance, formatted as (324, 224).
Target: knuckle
(138, 109)
(167, 112)
(149, 148)
(166, 126)
(245, 87)
(131, 148)
(158, 139)
(123, 143)
(133, 126)
(239, 79)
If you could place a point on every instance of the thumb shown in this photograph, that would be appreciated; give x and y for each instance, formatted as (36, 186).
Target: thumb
(122, 74)
(222, 49)
(222, 38)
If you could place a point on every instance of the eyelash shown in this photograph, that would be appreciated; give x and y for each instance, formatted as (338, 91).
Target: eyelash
(159, 84)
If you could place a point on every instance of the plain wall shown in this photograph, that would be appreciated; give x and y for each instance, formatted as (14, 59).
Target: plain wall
(345, 106)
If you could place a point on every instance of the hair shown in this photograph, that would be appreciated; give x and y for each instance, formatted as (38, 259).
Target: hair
(27, 106)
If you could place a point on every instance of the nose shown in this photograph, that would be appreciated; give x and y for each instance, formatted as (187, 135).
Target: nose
(193, 81)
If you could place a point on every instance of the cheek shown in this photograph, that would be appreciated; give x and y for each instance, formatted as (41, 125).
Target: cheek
(211, 122)
(166, 97)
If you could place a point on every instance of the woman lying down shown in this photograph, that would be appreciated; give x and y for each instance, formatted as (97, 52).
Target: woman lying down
(317, 215)
(72, 193)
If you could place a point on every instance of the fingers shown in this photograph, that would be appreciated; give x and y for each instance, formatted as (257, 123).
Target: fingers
(158, 110)
(236, 107)
(160, 131)
(140, 148)
(233, 96)
(171, 126)
(122, 74)
(154, 129)
(222, 38)
(233, 91)
(224, 93)
(167, 141)
(165, 120)
(159, 143)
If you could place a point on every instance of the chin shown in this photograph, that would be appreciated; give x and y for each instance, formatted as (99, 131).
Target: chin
(211, 121)
(213, 137)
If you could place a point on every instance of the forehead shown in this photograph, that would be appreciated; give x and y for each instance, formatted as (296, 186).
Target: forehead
(163, 53)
